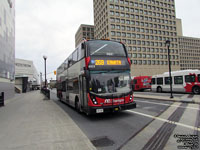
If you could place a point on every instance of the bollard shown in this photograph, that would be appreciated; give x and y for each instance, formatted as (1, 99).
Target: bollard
(48, 93)
(2, 99)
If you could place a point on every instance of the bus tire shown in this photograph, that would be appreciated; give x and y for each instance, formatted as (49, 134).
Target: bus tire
(77, 105)
(196, 90)
(159, 89)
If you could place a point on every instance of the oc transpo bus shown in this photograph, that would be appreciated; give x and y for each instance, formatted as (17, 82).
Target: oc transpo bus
(141, 83)
(95, 78)
(187, 81)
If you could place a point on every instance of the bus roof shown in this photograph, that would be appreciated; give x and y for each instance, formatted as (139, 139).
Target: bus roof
(179, 72)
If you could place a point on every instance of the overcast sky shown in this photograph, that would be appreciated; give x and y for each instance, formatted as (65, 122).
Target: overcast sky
(48, 27)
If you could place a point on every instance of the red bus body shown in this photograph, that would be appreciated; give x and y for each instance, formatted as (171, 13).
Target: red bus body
(140, 83)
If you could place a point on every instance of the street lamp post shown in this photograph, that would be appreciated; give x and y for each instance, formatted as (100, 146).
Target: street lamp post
(169, 62)
(45, 81)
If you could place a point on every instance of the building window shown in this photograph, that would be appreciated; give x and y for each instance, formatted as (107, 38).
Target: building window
(112, 33)
(123, 34)
(122, 8)
(118, 34)
(134, 55)
(111, 6)
(117, 7)
(122, 21)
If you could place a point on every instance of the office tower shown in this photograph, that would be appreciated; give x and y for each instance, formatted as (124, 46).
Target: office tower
(84, 32)
(7, 47)
(189, 49)
(144, 26)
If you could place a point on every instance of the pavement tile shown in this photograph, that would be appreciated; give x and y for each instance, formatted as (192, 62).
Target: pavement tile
(30, 123)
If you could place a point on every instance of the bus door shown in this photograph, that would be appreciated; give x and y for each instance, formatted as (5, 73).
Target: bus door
(83, 92)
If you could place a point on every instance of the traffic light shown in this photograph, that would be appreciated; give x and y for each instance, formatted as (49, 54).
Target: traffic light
(54, 72)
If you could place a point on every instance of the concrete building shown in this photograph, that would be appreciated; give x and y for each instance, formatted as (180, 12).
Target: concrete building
(189, 49)
(144, 26)
(26, 76)
(7, 47)
(179, 27)
(84, 32)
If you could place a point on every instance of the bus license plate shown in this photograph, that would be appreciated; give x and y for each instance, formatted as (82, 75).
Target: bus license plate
(99, 110)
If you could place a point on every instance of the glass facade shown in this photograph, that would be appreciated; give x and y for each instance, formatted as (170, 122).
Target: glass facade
(7, 39)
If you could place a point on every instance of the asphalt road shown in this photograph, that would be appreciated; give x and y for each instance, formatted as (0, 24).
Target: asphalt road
(112, 131)
(161, 94)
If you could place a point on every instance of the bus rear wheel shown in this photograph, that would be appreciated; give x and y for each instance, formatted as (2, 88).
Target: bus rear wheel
(159, 89)
(77, 105)
(196, 90)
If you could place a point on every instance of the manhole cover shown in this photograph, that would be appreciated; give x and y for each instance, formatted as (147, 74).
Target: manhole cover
(102, 142)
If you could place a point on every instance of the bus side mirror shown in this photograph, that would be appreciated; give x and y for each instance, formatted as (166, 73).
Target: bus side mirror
(82, 46)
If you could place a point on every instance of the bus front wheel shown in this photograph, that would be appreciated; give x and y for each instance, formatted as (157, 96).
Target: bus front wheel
(159, 89)
(196, 90)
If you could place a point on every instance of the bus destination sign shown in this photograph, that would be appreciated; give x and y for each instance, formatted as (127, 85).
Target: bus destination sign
(108, 62)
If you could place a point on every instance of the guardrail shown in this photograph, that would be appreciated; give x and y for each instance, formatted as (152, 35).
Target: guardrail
(2, 99)
(46, 92)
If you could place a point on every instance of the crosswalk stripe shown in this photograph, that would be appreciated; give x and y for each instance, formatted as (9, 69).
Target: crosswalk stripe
(165, 120)
(166, 104)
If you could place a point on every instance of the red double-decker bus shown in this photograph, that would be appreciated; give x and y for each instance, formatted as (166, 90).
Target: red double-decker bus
(141, 83)
(95, 78)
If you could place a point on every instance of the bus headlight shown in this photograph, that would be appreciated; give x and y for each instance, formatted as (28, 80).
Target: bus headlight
(94, 101)
(131, 97)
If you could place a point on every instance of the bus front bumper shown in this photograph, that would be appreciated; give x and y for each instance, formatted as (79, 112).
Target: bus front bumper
(113, 108)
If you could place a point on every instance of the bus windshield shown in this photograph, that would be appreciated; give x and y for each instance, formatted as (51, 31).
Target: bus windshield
(103, 83)
(105, 48)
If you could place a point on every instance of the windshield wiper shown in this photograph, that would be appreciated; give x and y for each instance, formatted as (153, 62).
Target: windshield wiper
(99, 49)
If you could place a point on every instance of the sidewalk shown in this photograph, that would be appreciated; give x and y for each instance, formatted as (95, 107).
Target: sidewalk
(186, 98)
(27, 122)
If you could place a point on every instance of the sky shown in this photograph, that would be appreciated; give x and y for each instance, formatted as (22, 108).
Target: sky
(48, 27)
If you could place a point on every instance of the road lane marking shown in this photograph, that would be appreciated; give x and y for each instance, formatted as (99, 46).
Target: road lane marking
(165, 104)
(165, 120)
